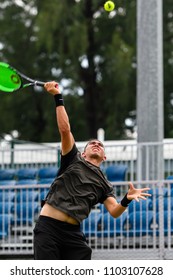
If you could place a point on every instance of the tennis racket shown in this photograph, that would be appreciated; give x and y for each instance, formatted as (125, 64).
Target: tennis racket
(12, 80)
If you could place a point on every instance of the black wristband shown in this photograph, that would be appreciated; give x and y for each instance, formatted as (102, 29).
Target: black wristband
(59, 100)
(125, 201)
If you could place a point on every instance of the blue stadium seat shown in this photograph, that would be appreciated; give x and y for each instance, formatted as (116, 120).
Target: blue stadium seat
(138, 224)
(26, 173)
(43, 193)
(24, 213)
(26, 182)
(142, 205)
(89, 225)
(6, 195)
(45, 181)
(172, 192)
(155, 192)
(27, 195)
(46, 176)
(170, 177)
(47, 172)
(7, 207)
(7, 174)
(168, 203)
(116, 173)
(7, 182)
(165, 227)
(5, 222)
(109, 226)
(7, 177)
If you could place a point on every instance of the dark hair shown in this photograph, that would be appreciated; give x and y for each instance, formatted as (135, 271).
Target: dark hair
(90, 140)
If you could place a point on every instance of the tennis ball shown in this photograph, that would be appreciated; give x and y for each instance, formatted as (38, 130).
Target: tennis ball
(109, 6)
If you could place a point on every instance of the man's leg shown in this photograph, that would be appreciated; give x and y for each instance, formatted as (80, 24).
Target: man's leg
(47, 244)
(44, 247)
(76, 247)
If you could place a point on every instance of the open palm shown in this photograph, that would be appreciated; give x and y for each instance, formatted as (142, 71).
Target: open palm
(137, 194)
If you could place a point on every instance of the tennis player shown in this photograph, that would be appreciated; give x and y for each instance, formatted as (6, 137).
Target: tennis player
(79, 185)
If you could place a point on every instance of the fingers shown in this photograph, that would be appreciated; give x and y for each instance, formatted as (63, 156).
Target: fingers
(142, 197)
(52, 87)
(146, 194)
(145, 189)
(131, 185)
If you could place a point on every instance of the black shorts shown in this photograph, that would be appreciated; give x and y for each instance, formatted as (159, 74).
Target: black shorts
(56, 240)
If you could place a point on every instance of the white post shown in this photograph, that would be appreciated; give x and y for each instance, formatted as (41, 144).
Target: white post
(150, 84)
(101, 134)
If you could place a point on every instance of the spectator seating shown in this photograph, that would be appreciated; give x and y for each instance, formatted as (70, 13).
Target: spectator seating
(24, 213)
(46, 175)
(170, 177)
(172, 192)
(89, 225)
(26, 177)
(5, 222)
(26, 182)
(7, 174)
(43, 193)
(115, 173)
(155, 192)
(6, 208)
(7, 177)
(154, 204)
(26, 174)
(24, 195)
(7, 196)
(168, 222)
(142, 205)
(109, 226)
(167, 204)
(138, 224)
(7, 182)
(24, 203)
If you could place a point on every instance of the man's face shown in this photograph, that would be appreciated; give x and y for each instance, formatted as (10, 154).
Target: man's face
(94, 149)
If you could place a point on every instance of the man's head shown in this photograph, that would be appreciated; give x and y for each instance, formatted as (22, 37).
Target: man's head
(94, 150)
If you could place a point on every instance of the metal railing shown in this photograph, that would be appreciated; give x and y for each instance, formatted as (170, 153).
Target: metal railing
(145, 161)
(144, 230)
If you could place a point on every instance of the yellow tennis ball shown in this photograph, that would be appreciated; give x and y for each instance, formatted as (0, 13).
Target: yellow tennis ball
(109, 6)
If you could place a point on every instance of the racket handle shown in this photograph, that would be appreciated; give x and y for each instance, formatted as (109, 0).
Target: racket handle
(38, 83)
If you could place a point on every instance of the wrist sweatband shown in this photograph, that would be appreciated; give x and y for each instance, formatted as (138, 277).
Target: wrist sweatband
(59, 100)
(125, 201)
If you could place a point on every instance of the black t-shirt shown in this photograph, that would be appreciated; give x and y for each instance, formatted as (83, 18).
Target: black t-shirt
(78, 187)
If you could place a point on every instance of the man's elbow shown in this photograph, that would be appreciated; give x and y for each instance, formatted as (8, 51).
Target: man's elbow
(117, 211)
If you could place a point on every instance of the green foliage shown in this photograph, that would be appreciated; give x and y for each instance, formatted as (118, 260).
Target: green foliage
(86, 50)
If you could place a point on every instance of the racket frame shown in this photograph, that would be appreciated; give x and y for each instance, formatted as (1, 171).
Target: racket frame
(22, 76)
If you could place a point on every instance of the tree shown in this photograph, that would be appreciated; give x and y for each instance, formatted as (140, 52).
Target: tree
(94, 54)
(91, 53)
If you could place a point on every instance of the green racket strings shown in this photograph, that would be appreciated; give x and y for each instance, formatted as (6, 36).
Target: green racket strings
(9, 79)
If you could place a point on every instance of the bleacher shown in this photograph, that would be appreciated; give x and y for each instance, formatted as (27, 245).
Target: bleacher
(143, 226)
(21, 192)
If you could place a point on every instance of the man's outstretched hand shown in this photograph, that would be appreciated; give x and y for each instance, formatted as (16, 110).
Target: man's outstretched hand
(137, 194)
